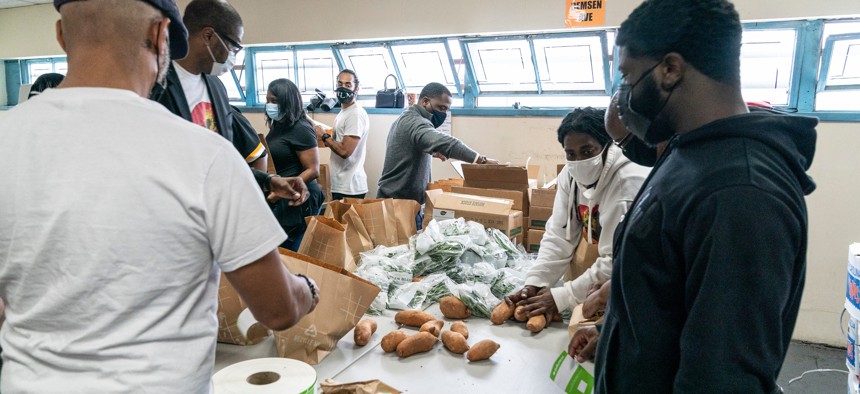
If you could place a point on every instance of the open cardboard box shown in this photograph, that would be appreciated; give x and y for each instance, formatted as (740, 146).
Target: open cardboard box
(501, 176)
(490, 212)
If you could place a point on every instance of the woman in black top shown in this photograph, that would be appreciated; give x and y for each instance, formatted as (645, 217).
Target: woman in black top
(293, 146)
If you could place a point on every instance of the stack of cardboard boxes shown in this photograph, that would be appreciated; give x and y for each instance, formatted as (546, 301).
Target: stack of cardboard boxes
(541, 209)
(496, 196)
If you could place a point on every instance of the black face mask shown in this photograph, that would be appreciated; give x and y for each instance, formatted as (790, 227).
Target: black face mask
(640, 152)
(437, 117)
(644, 121)
(344, 95)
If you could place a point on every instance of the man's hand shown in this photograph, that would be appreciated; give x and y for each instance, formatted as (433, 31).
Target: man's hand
(492, 161)
(522, 294)
(583, 344)
(541, 304)
(320, 131)
(596, 301)
(439, 156)
(289, 188)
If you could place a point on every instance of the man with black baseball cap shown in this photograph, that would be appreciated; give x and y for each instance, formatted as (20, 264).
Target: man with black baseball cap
(110, 254)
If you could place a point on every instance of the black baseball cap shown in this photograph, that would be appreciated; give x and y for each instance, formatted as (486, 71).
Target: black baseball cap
(178, 33)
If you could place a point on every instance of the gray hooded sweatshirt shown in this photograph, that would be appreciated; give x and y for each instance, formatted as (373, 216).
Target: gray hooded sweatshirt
(411, 141)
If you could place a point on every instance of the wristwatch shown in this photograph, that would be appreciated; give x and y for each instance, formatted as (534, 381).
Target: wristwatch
(326, 136)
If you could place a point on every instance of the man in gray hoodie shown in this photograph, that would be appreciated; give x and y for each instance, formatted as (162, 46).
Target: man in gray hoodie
(413, 139)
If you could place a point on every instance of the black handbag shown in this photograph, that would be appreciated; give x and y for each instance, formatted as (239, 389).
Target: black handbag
(390, 98)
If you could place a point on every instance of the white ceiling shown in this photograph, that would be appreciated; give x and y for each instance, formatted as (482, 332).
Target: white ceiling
(22, 3)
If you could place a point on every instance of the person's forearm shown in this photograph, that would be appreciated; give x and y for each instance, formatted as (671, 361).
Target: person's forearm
(260, 177)
(337, 148)
(309, 175)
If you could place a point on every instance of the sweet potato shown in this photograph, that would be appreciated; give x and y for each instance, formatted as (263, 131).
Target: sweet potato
(418, 343)
(363, 330)
(460, 327)
(501, 312)
(392, 339)
(413, 318)
(455, 342)
(536, 323)
(434, 327)
(520, 314)
(453, 308)
(482, 350)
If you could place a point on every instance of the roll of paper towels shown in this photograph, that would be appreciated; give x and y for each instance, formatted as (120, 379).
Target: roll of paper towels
(266, 376)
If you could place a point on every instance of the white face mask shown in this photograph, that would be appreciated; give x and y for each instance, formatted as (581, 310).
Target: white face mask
(219, 69)
(586, 172)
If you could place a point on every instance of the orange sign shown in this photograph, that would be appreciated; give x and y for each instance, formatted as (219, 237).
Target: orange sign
(583, 13)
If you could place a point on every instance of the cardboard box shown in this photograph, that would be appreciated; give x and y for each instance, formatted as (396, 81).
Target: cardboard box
(517, 178)
(516, 196)
(543, 197)
(445, 184)
(490, 212)
(538, 217)
(534, 238)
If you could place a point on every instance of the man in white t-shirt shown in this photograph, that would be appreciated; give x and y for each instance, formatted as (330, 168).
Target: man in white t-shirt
(349, 142)
(109, 255)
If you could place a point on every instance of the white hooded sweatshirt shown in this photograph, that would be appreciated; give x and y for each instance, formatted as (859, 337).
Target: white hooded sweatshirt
(616, 188)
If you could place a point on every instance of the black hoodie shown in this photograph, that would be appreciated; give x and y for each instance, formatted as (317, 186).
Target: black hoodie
(710, 261)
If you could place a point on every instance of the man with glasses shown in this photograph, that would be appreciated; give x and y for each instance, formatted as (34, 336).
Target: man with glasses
(194, 92)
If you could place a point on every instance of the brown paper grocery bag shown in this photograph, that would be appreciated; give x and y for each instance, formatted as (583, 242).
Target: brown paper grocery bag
(380, 224)
(325, 240)
(357, 237)
(388, 222)
(376, 386)
(404, 212)
(344, 298)
(583, 258)
(230, 305)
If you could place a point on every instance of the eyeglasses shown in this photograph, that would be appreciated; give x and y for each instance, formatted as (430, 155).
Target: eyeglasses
(236, 47)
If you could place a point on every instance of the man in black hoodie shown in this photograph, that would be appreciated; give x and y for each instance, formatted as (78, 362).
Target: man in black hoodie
(711, 258)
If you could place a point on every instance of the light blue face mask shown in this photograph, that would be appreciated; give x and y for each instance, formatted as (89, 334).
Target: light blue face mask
(272, 111)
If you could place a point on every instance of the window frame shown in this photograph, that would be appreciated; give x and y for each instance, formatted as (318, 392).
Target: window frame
(810, 68)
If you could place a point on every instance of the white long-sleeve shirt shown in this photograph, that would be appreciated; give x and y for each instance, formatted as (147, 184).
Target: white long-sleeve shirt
(619, 182)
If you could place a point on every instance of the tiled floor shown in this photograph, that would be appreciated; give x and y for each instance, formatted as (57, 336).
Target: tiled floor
(803, 357)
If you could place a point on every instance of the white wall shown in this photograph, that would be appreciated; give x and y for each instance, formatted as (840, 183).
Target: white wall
(833, 212)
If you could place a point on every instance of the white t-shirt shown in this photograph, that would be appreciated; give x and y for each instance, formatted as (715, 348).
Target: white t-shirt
(113, 241)
(347, 175)
(198, 98)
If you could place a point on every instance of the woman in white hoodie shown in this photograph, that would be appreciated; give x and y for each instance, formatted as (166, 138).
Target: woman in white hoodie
(595, 190)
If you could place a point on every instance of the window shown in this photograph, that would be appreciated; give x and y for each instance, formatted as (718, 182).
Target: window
(839, 82)
(835, 91)
(570, 64)
(372, 64)
(234, 81)
(317, 69)
(767, 60)
(420, 64)
(459, 63)
(37, 67)
(503, 65)
(269, 66)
